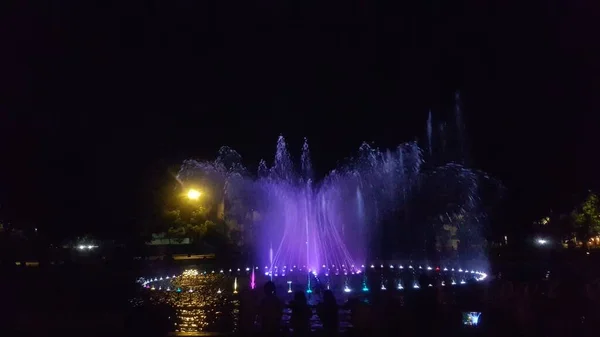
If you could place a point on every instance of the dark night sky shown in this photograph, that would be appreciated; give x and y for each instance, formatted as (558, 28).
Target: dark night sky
(97, 101)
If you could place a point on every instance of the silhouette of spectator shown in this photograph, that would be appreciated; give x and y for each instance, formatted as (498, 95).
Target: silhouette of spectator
(301, 314)
(328, 313)
(247, 311)
(270, 311)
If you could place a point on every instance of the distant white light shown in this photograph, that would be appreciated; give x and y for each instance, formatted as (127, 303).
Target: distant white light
(541, 241)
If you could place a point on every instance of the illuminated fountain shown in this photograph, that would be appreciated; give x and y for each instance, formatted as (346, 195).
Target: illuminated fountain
(362, 210)
(198, 295)
(365, 288)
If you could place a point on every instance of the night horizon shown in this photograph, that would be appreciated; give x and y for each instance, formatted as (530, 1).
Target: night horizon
(108, 113)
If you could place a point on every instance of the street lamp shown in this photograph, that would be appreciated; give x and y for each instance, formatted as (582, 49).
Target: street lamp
(193, 194)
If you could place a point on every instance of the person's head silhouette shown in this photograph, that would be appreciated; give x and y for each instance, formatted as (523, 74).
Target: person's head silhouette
(299, 297)
(269, 288)
(328, 297)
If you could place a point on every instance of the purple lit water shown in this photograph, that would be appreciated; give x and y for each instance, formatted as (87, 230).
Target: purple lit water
(365, 209)
(310, 224)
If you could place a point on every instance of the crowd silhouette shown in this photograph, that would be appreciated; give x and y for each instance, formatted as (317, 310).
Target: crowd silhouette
(506, 308)
(566, 305)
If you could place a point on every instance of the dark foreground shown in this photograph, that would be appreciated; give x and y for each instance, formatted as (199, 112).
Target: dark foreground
(96, 301)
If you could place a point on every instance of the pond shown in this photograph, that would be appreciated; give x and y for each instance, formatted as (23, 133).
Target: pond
(209, 301)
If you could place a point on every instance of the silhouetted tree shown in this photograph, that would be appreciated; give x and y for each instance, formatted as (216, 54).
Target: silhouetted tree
(586, 218)
(176, 226)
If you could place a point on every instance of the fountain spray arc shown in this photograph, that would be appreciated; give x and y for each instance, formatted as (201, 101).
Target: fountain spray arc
(253, 279)
(340, 221)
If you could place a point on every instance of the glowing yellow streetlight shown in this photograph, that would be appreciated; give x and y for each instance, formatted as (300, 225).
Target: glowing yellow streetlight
(193, 194)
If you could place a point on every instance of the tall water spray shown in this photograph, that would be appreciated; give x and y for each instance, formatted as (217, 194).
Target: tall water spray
(430, 134)
(460, 127)
(371, 207)
(253, 279)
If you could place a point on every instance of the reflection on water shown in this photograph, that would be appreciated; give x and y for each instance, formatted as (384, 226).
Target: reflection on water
(210, 302)
(198, 308)
(204, 303)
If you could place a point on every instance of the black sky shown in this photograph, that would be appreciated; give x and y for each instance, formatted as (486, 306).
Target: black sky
(100, 98)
